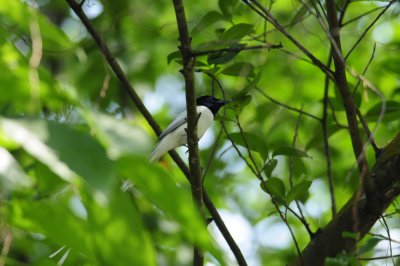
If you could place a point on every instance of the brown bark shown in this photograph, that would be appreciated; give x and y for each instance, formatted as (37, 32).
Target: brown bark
(361, 212)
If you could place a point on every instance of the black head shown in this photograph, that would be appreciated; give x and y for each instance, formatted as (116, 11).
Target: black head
(211, 102)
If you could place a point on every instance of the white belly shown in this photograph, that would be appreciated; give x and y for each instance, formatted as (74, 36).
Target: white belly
(178, 137)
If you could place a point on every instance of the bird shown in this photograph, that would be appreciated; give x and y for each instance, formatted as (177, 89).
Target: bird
(175, 134)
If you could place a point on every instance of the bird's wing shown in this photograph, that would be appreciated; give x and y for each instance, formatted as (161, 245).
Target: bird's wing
(177, 122)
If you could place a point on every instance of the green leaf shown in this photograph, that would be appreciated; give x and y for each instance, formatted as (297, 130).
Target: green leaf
(117, 135)
(156, 184)
(276, 187)
(270, 166)
(67, 152)
(221, 58)
(352, 235)
(289, 151)
(240, 101)
(391, 112)
(54, 219)
(227, 7)
(22, 17)
(174, 55)
(316, 140)
(298, 191)
(240, 69)
(342, 259)
(98, 229)
(253, 141)
(300, 14)
(112, 224)
(370, 245)
(237, 32)
(12, 176)
(207, 20)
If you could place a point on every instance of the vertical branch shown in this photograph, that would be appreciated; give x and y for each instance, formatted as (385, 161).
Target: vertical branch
(325, 135)
(191, 131)
(341, 82)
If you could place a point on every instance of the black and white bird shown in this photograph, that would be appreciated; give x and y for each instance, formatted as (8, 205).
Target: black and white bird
(175, 134)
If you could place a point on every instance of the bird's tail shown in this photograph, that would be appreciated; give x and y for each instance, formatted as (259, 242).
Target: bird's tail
(159, 151)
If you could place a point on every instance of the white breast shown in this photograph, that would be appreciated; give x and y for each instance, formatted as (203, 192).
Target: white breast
(205, 121)
(178, 137)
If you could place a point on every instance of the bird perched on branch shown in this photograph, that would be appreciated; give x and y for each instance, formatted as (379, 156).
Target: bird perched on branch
(175, 134)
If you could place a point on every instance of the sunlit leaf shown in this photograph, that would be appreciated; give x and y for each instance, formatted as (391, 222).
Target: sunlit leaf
(23, 16)
(67, 152)
(118, 136)
(174, 201)
(12, 176)
(102, 232)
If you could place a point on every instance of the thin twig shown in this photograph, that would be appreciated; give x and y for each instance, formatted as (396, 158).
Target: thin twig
(368, 28)
(342, 11)
(357, 18)
(384, 237)
(385, 225)
(268, 16)
(246, 144)
(81, 3)
(325, 136)
(211, 157)
(287, 106)
(301, 216)
(296, 244)
(380, 258)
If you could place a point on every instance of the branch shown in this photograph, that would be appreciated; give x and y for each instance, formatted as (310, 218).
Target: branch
(341, 82)
(385, 182)
(368, 28)
(191, 131)
(154, 125)
(325, 137)
(301, 215)
(268, 16)
(300, 111)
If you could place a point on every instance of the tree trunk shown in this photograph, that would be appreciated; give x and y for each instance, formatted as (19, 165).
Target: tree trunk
(360, 213)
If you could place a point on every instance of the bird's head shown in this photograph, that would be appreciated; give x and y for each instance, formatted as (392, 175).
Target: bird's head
(211, 102)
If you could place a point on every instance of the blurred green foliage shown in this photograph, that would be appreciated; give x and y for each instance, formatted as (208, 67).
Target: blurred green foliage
(75, 184)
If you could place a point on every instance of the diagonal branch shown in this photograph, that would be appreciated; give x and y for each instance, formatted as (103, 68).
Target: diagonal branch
(268, 16)
(154, 125)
